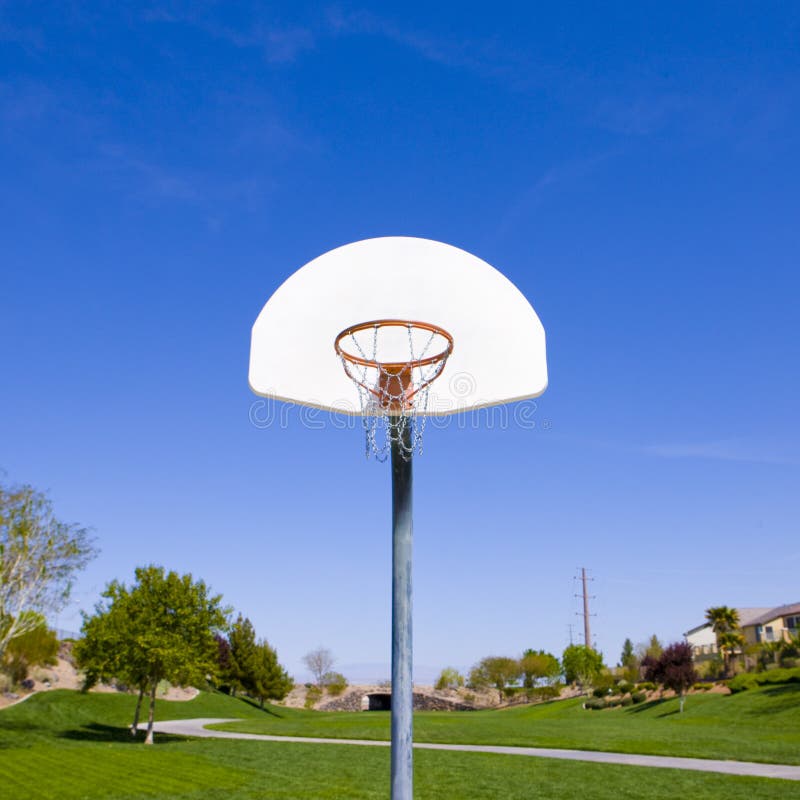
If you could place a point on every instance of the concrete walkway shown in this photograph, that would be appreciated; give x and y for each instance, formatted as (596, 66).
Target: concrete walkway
(196, 727)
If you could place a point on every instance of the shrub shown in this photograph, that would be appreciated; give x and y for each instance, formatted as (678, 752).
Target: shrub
(594, 703)
(36, 646)
(334, 682)
(627, 701)
(449, 678)
(606, 682)
(600, 691)
(312, 696)
(646, 686)
(789, 663)
(638, 697)
(27, 684)
(623, 687)
(544, 692)
(701, 687)
(614, 702)
(748, 680)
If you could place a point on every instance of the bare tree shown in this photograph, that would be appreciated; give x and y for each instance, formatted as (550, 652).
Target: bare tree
(319, 662)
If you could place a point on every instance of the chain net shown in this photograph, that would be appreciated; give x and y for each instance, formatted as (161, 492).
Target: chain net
(393, 364)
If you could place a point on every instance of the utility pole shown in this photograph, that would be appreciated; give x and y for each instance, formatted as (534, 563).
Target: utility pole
(587, 632)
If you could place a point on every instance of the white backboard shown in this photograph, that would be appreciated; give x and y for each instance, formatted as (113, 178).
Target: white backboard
(499, 342)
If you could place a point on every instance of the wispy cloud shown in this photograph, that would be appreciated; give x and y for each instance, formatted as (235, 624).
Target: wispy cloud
(566, 173)
(726, 450)
(280, 44)
(487, 57)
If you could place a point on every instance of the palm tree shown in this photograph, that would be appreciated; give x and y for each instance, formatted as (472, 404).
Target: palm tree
(725, 624)
(729, 643)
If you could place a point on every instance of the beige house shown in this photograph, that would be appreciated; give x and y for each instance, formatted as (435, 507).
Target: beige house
(774, 625)
(703, 640)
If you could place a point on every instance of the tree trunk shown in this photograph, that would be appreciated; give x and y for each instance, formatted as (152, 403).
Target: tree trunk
(683, 698)
(262, 702)
(149, 737)
(136, 713)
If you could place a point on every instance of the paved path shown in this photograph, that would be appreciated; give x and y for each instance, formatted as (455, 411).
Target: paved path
(196, 727)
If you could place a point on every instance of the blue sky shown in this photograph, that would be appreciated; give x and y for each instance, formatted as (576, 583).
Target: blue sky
(633, 170)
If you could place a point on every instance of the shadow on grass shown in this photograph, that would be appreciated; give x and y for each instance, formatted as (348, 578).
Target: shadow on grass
(781, 689)
(12, 734)
(650, 704)
(95, 732)
(267, 709)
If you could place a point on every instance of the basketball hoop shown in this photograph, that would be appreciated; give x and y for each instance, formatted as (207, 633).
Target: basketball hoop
(393, 362)
(390, 364)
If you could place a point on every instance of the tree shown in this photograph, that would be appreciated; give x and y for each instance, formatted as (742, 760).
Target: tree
(724, 622)
(39, 556)
(449, 678)
(265, 678)
(242, 640)
(582, 665)
(38, 645)
(628, 656)
(729, 644)
(498, 671)
(319, 662)
(102, 652)
(162, 628)
(673, 669)
(537, 666)
(629, 662)
(224, 663)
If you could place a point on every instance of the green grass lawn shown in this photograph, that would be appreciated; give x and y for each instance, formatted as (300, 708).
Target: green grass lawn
(757, 725)
(67, 746)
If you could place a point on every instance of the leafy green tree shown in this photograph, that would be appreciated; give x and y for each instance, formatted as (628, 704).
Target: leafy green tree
(39, 556)
(449, 678)
(581, 665)
(37, 646)
(264, 677)
(242, 640)
(673, 669)
(725, 624)
(161, 628)
(497, 671)
(103, 651)
(538, 666)
(652, 648)
(628, 656)
(629, 662)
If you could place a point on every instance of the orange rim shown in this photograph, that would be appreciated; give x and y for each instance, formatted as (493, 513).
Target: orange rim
(393, 368)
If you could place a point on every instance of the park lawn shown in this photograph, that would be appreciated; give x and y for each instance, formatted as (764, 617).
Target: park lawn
(65, 746)
(757, 725)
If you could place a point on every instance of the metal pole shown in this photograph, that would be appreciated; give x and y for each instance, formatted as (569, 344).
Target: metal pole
(402, 685)
(587, 635)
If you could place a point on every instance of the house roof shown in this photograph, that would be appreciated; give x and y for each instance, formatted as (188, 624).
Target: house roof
(747, 615)
(774, 613)
(697, 628)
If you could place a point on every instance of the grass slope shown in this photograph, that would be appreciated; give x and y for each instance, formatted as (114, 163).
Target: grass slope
(758, 725)
(67, 746)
